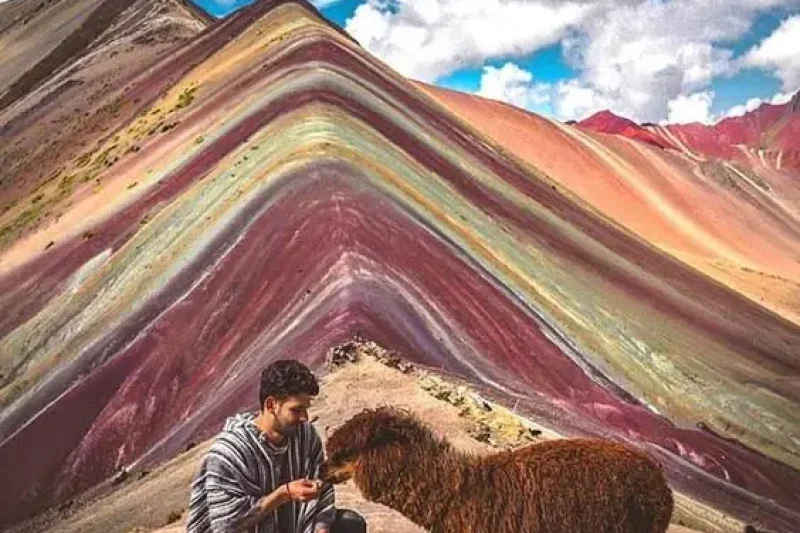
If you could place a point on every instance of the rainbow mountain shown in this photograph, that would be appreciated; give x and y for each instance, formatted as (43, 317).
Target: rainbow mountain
(183, 200)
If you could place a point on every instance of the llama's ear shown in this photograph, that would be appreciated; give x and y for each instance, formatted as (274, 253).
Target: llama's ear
(393, 427)
(384, 436)
(383, 432)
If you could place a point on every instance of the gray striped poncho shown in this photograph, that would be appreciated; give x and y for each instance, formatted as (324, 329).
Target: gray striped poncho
(240, 468)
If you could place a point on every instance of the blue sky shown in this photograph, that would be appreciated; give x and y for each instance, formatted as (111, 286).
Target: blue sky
(650, 60)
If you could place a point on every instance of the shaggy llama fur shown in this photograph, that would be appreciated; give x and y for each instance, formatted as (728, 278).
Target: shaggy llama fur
(569, 486)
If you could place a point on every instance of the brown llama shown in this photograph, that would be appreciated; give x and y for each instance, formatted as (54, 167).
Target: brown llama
(569, 485)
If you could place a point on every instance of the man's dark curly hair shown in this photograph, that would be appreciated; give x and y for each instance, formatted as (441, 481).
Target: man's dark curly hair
(287, 377)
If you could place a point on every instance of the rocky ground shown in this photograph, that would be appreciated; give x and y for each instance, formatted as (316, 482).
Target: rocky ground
(360, 376)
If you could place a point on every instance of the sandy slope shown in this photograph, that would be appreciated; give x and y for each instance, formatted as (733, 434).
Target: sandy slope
(80, 67)
(149, 502)
(736, 224)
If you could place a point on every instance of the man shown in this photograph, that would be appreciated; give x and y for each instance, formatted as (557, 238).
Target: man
(260, 475)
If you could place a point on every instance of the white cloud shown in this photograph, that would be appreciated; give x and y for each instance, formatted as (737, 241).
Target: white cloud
(514, 85)
(696, 107)
(574, 100)
(637, 57)
(648, 59)
(643, 59)
(428, 39)
(781, 98)
(741, 109)
(754, 103)
(780, 52)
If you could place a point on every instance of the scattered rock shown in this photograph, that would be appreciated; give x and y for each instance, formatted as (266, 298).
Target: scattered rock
(341, 355)
(174, 516)
(66, 505)
(120, 477)
(352, 351)
(489, 424)
(481, 432)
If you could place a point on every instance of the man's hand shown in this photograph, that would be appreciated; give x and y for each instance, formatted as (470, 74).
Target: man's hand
(303, 490)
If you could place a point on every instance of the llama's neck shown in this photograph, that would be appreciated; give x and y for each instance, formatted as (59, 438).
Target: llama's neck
(418, 482)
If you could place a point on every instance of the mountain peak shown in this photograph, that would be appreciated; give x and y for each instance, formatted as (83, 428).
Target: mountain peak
(267, 189)
(775, 124)
(607, 121)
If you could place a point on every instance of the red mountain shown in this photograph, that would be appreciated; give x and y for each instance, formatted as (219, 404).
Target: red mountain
(608, 122)
(768, 136)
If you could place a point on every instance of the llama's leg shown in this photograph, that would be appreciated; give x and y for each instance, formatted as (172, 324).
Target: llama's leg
(348, 521)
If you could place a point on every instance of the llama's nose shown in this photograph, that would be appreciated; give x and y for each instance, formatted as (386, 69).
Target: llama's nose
(324, 472)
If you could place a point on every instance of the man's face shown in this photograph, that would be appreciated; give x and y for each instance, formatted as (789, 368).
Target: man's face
(288, 413)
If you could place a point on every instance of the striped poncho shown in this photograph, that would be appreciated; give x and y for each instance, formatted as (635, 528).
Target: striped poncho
(242, 466)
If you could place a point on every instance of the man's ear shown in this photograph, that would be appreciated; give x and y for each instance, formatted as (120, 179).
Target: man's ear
(270, 404)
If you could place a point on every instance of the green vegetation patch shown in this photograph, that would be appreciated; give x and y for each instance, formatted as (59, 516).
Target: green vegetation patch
(186, 98)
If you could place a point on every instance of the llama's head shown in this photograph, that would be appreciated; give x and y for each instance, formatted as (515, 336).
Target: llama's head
(385, 430)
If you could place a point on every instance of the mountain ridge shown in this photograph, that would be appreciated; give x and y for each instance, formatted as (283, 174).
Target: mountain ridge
(278, 191)
(769, 132)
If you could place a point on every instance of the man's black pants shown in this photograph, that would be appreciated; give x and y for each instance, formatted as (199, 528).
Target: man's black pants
(348, 521)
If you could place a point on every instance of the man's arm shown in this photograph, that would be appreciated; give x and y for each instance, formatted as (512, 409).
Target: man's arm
(263, 507)
(231, 507)
(325, 508)
(301, 490)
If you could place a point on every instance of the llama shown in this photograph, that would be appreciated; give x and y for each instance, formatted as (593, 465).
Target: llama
(569, 485)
